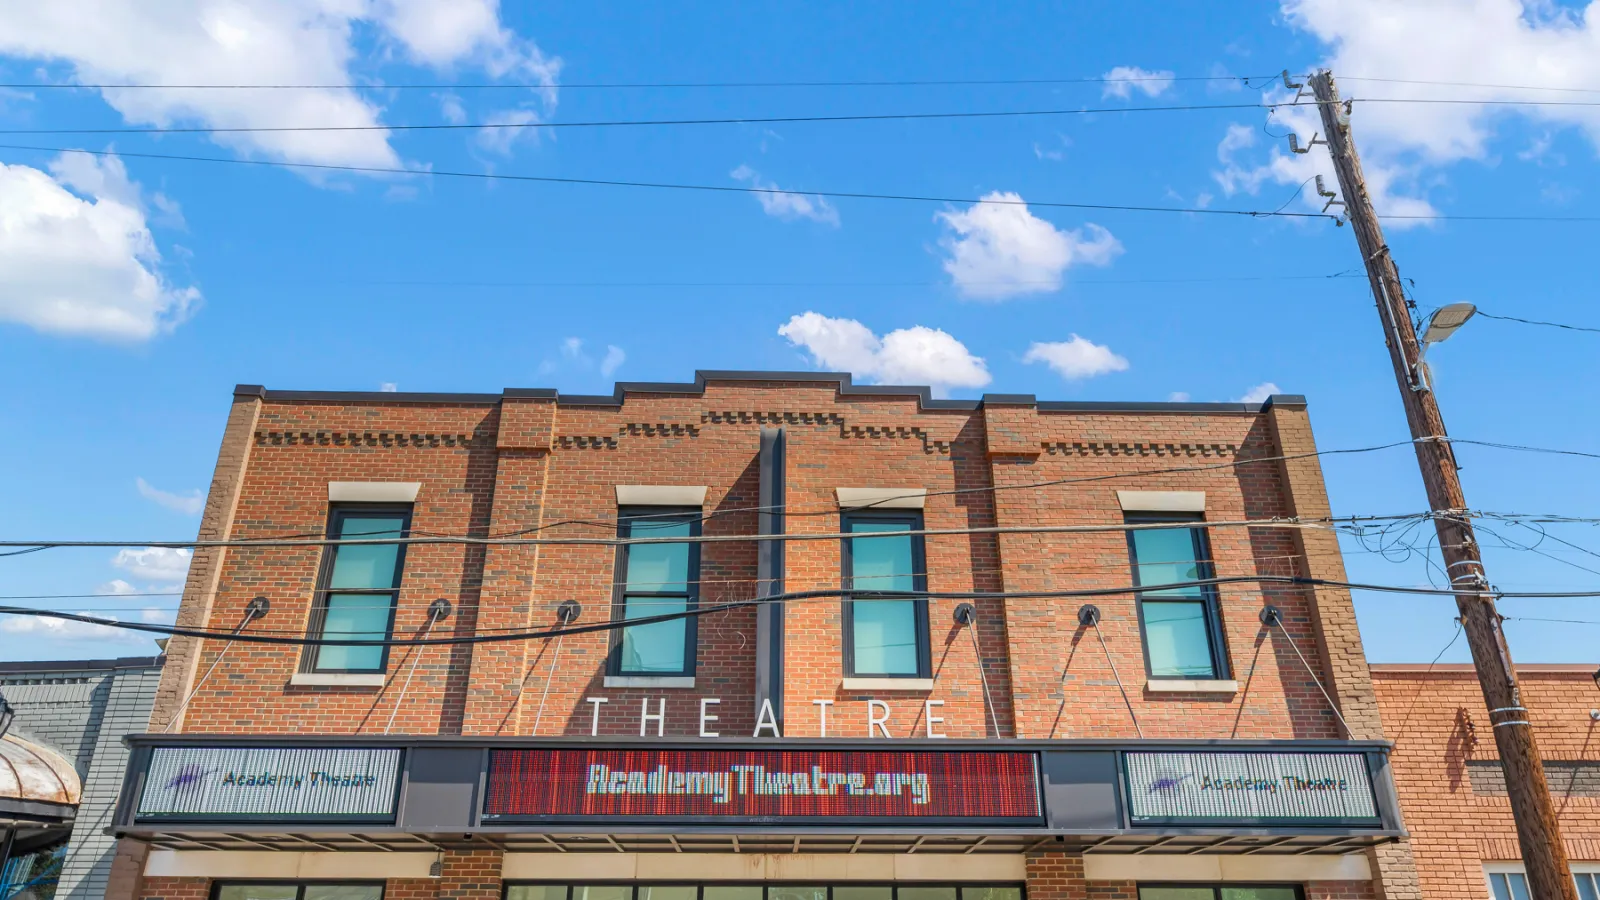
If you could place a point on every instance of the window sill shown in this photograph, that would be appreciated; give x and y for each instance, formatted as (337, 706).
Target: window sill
(338, 679)
(888, 684)
(649, 681)
(1190, 686)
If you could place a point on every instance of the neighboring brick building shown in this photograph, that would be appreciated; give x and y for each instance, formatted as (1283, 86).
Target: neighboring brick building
(978, 743)
(1451, 786)
(83, 709)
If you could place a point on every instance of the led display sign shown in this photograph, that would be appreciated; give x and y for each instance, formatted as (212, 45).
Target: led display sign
(242, 783)
(1210, 788)
(763, 785)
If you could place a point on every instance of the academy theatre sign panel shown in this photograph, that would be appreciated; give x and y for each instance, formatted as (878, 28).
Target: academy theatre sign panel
(377, 784)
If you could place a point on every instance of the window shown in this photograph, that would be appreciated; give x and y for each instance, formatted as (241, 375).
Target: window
(735, 891)
(886, 636)
(358, 588)
(1507, 881)
(297, 890)
(654, 580)
(1182, 628)
(1219, 892)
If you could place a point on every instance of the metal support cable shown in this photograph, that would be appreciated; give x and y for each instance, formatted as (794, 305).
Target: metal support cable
(968, 616)
(1090, 615)
(253, 610)
(436, 611)
(539, 716)
(566, 614)
(1271, 616)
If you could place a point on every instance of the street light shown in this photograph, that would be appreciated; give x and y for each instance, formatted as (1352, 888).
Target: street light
(1441, 325)
(1445, 321)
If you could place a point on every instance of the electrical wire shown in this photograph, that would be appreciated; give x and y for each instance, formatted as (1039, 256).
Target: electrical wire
(635, 285)
(715, 188)
(1476, 84)
(1484, 315)
(794, 596)
(1421, 687)
(943, 82)
(645, 123)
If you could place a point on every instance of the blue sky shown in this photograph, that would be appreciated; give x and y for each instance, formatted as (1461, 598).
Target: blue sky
(135, 292)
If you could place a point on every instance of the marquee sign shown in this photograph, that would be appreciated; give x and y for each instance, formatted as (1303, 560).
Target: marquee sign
(1255, 788)
(283, 783)
(763, 785)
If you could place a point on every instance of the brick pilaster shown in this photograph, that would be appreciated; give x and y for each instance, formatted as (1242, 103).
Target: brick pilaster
(470, 875)
(205, 568)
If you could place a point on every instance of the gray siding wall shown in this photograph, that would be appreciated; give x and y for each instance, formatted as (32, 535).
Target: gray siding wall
(83, 713)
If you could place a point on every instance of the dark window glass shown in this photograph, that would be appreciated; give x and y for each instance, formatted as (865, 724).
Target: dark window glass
(887, 636)
(1182, 635)
(1218, 892)
(291, 890)
(357, 591)
(536, 892)
(655, 580)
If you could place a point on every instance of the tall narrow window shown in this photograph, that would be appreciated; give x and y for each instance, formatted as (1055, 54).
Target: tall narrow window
(885, 636)
(357, 588)
(1182, 628)
(654, 580)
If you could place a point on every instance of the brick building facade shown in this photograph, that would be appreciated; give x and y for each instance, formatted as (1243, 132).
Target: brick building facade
(988, 654)
(1451, 786)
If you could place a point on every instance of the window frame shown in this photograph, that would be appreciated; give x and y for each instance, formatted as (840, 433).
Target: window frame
(827, 883)
(1210, 599)
(919, 584)
(1218, 886)
(217, 884)
(1578, 869)
(317, 621)
(626, 518)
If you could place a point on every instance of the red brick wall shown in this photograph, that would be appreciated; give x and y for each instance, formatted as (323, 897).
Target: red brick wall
(162, 888)
(529, 465)
(1439, 723)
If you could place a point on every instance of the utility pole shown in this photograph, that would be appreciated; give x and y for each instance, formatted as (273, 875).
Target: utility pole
(1538, 832)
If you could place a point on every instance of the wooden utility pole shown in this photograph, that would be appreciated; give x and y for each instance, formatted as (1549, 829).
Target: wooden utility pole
(1543, 853)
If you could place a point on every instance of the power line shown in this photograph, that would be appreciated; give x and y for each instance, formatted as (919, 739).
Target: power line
(1537, 322)
(736, 189)
(635, 123)
(789, 597)
(800, 284)
(761, 120)
(1476, 84)
(947, 82)
(726, 189)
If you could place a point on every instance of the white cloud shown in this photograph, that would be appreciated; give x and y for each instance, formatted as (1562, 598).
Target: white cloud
(388, 387)
(1076, 357)
(613, 360)
(1260, 393)
(501, 140)
(1178, 397)
(1124, 80)
(916, 355)
(999, 249)
(116, 586)
(266, 42)
(1481, 41)
(784, 205)
(157, 614)
(572, 348)
(163, 564)
(190, 503)
(83, 263)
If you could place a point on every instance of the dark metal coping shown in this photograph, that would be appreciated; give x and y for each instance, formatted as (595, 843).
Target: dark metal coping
(76, 665)
(844, 381)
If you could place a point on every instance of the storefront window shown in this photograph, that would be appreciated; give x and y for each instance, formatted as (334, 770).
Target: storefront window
(1219, 892)
(289, 890)
(767, 892)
